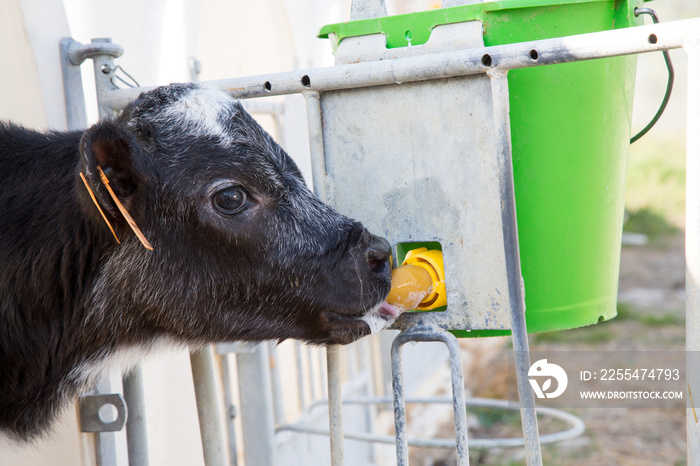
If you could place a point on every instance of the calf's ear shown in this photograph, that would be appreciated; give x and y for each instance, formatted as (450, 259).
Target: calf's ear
(110, 148)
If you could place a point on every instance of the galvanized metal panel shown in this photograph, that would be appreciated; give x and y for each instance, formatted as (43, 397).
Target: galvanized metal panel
(417, 162)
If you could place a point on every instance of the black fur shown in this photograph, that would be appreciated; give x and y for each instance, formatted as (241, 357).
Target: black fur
(285, 266)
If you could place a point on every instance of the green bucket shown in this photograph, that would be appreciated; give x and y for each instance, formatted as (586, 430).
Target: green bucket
(570, 129)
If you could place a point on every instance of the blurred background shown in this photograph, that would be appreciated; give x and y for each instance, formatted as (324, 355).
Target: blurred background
(180, 40)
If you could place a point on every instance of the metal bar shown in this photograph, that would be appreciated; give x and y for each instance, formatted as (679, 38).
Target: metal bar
(301, 386)
(256, 407)
(103, 64)
(208, 409)
(76, 114)
(333, 353)
(576, 429)
(136, 435)
(106, 450)
(399, 402)
(318, 161)
(448, 64)
(335, 405)
(230, 408)
(78, 53)
(276, 383)
(692, 242)
(323, 368)
(516, 289)
(458, 397)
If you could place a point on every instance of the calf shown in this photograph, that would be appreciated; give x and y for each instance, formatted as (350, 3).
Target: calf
(233, 247)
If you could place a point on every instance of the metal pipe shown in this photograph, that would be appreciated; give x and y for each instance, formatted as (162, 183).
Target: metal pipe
(576, 429)
(399, 402)
(256, 407)
(458, 397)
(333, 353)
(104, 67)
(314, 118)
(110, 451)
(640, 39)
(300, 376)
(136, 435)
(516, 288)
(104, 447)
(208, 408)
(335, 405)
(230, 408)
(76, 114)
(323, 368)
(692, 247)
(276, 381)
(78, 53)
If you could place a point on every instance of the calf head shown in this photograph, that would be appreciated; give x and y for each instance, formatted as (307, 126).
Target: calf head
(242, 250)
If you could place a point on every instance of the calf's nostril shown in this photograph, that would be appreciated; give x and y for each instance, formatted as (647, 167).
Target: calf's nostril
(379, 266)
(378, 259)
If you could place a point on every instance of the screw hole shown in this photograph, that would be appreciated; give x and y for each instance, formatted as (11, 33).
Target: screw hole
(486, 59)
(534, 55)
(306, 81)
(108, 413)
(408, 35)
(653, 39)
(268, 86)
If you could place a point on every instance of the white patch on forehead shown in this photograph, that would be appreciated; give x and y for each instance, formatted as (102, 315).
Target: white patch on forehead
(200, 109)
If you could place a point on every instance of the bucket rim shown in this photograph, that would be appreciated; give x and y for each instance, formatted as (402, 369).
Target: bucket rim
(429, 19)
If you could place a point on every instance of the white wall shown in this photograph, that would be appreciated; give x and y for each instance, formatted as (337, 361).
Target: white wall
(32, 89)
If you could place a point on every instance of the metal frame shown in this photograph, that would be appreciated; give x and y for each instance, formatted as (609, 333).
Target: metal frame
(458, 397)
(577, 427)
(310, 83)
(447, 64)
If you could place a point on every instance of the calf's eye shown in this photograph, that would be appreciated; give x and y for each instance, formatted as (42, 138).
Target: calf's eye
(231, 200)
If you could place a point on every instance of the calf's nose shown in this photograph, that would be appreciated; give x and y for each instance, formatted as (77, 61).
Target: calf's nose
(378, 253)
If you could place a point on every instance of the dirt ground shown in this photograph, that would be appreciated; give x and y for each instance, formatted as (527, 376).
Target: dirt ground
(651, 316)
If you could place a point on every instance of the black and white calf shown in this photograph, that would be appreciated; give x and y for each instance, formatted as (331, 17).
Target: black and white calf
(242, 250)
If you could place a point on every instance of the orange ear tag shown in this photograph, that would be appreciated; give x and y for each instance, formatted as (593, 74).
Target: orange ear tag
(97, 204)
(122, 209)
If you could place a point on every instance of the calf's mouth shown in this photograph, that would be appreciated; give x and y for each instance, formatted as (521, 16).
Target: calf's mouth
(344, 328)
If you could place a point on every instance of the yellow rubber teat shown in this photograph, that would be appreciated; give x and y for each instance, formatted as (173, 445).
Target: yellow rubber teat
(409, 285)
(419, 283)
